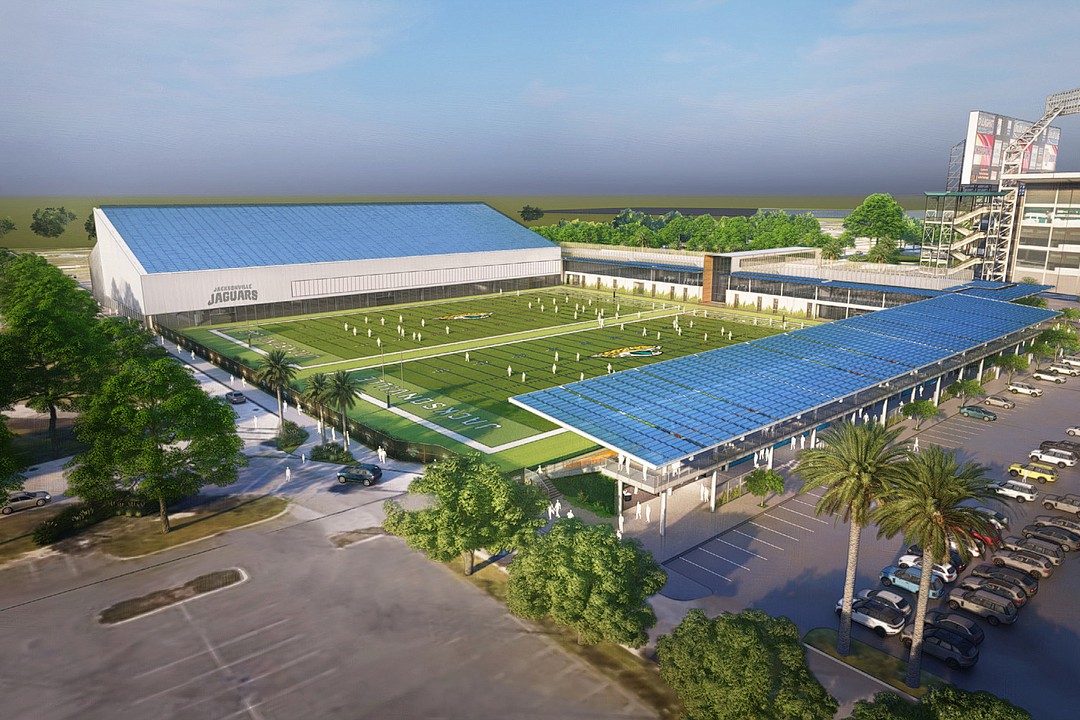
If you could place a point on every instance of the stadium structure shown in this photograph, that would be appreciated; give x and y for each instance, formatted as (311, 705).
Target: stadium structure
(184, 266)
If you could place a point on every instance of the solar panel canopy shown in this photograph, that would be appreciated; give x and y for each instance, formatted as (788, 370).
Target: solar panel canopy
(665, 412)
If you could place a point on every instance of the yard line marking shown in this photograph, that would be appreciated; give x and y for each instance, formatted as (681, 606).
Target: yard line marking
(773, 531)
(721, 557)
(757, 539)
(779, 519)
(748, 552)
(711, 572)
(808, 517)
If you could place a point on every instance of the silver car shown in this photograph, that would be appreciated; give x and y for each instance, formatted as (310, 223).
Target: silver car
(23, 499)
(999, 401)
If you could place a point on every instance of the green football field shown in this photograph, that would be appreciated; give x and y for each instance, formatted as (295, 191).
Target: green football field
(443, 372)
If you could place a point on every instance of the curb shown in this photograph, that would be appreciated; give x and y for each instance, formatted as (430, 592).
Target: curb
(868, 676)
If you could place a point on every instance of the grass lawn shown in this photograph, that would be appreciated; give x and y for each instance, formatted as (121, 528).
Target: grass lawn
(635, 674)
(874, 662)
(16, 531)
(592, 491)
(127, 537)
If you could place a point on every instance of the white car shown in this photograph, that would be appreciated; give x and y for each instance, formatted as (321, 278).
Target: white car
(1063, 369)
(1073, 360)
(1074, 430)
(888, 597)
(1023, 388)
(945, 571)
(881, 618)
(1019, 491)
(1054, 456)
(1047, 376)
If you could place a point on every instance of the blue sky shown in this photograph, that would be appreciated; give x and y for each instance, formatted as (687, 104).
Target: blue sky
(505, 97)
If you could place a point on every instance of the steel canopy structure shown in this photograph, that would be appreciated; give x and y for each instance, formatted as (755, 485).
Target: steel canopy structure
(665, 413)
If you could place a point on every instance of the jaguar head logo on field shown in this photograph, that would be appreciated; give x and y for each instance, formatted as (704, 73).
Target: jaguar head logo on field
(632, 351)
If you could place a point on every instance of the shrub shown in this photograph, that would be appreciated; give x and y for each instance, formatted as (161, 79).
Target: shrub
(332, 452)
(70, 520)
(292, 437)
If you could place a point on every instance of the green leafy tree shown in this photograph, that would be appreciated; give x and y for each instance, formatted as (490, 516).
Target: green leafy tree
(1010, 363)
(584, 577)
(1041, 352)
(926, 504)
(151, 429)
(762, 481)
(277, 370)
(475, 508)
(920, 410)
(90, 227)
(6, 225)
(735, 667)
(51, 222)
(52, 327)
(964, 389)
(884, 251)
(342, 392)
(878, 217)
(530, 213)
(1062, 339)
(1032, 301)
(11, 475)
(833, 249)
(317, 392)
(854, 465)
(889, 706)
(946, 702)
(1071, 315)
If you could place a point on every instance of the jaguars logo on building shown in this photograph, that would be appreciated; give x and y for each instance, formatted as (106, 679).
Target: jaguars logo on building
(465, 316)
(633, 351)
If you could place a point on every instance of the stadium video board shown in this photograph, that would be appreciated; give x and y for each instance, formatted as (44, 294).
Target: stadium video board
(987, 137)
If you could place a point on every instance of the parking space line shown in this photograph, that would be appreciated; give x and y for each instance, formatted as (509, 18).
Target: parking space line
(763, 527)
(283, 693)
(247, 681)
(236, 639)
(757, 539)
(803, 502)
(727, 560)
(711, 572)
(779, 519)
(748, 552)
(808, 517)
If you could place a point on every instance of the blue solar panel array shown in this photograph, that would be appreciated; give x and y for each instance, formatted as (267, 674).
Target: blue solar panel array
(667, 411)
(178, 238)
(978, 288)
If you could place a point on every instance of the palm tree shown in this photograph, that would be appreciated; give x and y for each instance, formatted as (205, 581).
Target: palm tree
(342, 392)
(277, 371)
(925, 505)
(855, 466)
(315, 392)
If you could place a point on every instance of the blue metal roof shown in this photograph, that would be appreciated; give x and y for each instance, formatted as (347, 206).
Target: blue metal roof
(666, 411)
(180, 238)
(978, 288)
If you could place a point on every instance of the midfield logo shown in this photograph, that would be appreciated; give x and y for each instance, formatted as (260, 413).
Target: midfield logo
(465, 316)
(633, 351)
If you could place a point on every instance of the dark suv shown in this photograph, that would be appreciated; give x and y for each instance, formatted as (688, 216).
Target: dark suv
(362, 473)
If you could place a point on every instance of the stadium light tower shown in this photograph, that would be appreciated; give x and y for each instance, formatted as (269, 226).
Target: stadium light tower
(1000, 240)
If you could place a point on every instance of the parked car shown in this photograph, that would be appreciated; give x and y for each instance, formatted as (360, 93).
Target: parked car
(1023, 388)
(996, 609)
(945, 571)
(1070, 502)
(887, 597)
(954, 557)
(1068, 445)
(1019, 491)
(953, 649)
(908, 579)
(1033, 564)
(881, 618)
(962, 625)
(1065, 539)
(236, 397)
(1036, 471)
(1057, 520)
(1049, 550)
(997, 518)
(1016, 595)
(1053, 456)
(1047, 376)
(23, 500)
(1020, 577)
(1073, 430)
(974, 411)
(362, 473)
(1060, 368)
(1073, 360)
(1000, 401)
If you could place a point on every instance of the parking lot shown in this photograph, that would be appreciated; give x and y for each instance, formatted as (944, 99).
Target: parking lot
(789, 562)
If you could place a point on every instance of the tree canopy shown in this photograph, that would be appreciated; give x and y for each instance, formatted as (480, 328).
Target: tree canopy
(964, 389)
(762, 481)
(90, 227)
(152, 429)
(878, 217)
(51, 222)
(942, 702)
(920, 410)
(6, 225)
(475, 508)
(530, 213)
(584, 577)
(1011, 363)
(735, 667)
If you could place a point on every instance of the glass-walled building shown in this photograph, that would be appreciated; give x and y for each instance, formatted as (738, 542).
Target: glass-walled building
(1048, 231)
